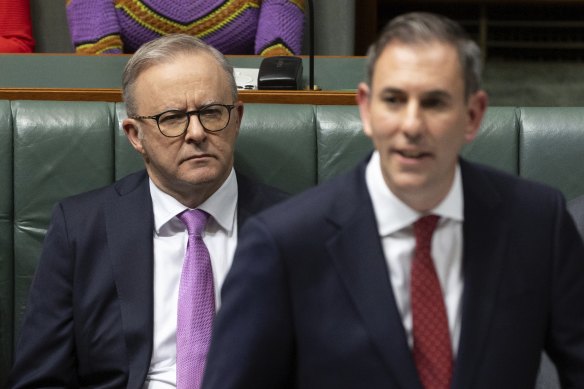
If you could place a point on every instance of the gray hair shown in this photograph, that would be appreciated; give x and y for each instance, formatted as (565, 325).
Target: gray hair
(163, 50)
(421, 27)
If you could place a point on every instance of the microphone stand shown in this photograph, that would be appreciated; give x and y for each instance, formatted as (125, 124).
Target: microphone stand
(311, 47)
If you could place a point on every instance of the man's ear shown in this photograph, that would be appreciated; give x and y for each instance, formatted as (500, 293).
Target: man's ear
(477, 106)
(133, 134)
(239, 116)
(363, 101)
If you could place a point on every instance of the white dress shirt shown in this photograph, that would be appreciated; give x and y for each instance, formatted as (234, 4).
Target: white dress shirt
(395, 225)
(170, 243)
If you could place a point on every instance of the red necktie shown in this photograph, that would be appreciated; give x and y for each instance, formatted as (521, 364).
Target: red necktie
(432, 348)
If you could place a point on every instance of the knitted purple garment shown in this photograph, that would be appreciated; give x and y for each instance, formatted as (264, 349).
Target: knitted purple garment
(271, 27)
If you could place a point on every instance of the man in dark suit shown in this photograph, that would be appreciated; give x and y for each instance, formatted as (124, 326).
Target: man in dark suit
(576, 209)
(417, 269)
(103, 305)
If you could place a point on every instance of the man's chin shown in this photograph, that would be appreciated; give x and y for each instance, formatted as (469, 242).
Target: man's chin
(410, 186)
(205, 177)
(406, 180)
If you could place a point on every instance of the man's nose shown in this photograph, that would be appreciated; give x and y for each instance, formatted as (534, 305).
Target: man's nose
(195, 131)
(412, 121)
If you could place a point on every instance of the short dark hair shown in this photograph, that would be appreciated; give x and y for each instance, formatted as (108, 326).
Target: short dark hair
(164, 50)
(422, 27)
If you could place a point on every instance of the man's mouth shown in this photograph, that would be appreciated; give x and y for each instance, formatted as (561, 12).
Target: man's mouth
(195, 157)
(416, 154)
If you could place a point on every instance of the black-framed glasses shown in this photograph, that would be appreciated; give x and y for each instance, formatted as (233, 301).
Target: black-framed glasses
(173, 123)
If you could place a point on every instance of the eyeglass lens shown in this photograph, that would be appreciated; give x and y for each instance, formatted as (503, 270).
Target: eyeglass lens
(212, 118)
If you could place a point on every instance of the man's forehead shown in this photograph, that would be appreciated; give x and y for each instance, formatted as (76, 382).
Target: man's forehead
(414, 63)
(418, 48)
(182, 81)
(183, 68)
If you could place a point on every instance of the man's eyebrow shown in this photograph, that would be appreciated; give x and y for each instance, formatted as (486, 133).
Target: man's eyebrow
(438, 94)
(213, 101)
(432, 94)
(390, 90)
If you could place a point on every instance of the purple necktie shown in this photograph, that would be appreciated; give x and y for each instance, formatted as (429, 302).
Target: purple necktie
(196, 304)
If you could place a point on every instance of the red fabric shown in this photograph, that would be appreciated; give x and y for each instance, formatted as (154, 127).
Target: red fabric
(15, 27)
(432, 348)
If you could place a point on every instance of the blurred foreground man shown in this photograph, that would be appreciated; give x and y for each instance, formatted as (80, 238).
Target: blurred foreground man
(417, 269)
(128, 282)
(576, 209)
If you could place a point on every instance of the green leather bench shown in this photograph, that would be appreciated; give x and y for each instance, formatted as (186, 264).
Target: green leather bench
(49, 150)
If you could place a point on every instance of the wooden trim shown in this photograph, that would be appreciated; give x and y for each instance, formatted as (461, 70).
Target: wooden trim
(299, 97)
(115, 95)
(61, 94)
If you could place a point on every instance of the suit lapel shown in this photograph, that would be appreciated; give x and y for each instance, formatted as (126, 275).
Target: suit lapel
(483, 254)
(358, 257)
(254, 197)
(247, 202)
(130, 222)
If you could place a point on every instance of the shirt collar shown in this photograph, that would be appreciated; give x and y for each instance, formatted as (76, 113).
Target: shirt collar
(221, 205)
(392, 214)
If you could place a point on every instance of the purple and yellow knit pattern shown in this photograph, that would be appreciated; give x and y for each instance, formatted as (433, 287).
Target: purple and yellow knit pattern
(265, 27)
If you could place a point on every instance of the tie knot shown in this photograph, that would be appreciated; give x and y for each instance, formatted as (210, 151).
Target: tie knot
(195, 220)
(424, 228)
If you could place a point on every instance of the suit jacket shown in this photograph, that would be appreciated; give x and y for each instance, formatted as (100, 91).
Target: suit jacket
(576, 209)
(308, 301)
(89, 321)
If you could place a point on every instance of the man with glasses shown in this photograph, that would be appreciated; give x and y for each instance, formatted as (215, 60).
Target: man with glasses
(129, 278)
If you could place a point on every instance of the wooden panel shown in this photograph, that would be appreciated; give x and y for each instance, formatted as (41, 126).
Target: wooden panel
(58, 94)
(115, 95)
(299, 97)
